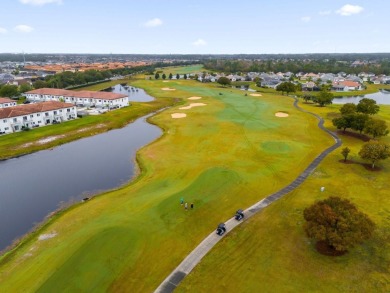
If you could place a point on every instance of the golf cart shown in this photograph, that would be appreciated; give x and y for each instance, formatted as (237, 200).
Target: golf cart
(239, 215)
(221, 229)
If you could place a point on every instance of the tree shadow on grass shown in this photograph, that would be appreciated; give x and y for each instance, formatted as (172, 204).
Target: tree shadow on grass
(325, 249)
(367, 166)
(362, 137)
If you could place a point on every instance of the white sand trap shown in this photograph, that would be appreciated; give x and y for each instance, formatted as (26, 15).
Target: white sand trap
(47, 236)
(195, 98)
(255, 95)
(168, 89)
(192, 105)
(178, 115)
(281, 114)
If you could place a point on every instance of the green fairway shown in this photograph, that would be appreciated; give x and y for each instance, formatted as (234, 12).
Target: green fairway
(223, 156)
(270, 252)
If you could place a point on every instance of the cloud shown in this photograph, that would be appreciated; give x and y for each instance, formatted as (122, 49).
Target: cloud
(199, 43)
(349, 9)
(306, 18)
(22, 28)
(325, 12)
(153, 22)
(3, 30)
(39, 2)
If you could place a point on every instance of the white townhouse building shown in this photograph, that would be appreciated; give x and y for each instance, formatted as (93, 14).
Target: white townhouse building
(79, 98)
(16, 118)
(5, 102)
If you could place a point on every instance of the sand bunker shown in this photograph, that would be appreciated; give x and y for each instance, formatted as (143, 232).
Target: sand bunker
(195, 98)
(178, 115)
(281, 114)
(168, 89)
(47, 236)
(255, 95)
(192, 105)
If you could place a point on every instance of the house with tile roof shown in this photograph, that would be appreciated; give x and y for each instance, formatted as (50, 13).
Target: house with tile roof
(79, 98)
(5, 102)
(27, 116)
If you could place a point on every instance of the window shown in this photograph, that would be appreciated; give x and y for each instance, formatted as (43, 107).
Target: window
(31, 116)
(5, 120)
(68, 110)
(55, 112)
(60, 111)
(46, 114)
(24, 118)
(38, 115)
(6, 128)
(15, 120)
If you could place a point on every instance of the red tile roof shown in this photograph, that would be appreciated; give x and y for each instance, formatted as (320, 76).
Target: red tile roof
(32, 108)
(6, 100)
(77, 94)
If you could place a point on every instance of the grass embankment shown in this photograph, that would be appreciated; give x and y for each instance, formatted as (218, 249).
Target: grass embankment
(222, 156)
(270, 252)
(25, 142)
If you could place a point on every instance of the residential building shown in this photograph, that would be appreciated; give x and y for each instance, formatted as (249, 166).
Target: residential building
(5, 102)
(17, 118)
(79, 98)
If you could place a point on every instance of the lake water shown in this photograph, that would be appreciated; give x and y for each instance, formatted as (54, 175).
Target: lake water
(380, 97)
(135, 94)
(35, 185)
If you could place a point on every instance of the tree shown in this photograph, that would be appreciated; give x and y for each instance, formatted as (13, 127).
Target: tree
(8, 91)
(324, 98)
(338, 223)
(157, 76)
(345, 152)
(343, 122)
(307, 97)
(177, 76)
(367, 106)
(25, 87)
(374, 151)
(359, 121)
(170, 75)
(185, 76)
(287, 87)
(40, 84)
(224, 81)
(164, 76)
(348, 108)
(376, 127)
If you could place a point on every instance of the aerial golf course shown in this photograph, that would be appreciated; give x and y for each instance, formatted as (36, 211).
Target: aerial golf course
(227, 152)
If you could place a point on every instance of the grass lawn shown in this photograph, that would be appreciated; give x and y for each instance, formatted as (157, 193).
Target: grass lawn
(270, 252)
(222, 156)
(181, 69)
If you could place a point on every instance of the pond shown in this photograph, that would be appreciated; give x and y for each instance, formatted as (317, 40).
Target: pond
(382, 97)
(135, 94)
(35, 185)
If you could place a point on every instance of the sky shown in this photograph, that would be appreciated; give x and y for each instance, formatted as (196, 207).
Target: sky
(194, 27)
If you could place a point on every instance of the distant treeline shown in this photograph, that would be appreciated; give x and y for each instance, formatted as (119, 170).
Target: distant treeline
(189, 57)
(73, 79)
(295, 66)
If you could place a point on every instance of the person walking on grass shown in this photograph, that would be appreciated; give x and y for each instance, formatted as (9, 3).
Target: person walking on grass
(186, 206)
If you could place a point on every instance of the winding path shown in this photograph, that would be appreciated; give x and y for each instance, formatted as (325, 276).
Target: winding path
(186, 266)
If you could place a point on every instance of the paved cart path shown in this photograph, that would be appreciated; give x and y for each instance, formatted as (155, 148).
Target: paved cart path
(186, 266)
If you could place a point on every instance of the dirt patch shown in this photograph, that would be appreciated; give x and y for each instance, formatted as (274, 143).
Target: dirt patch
(178, 115)
(92, 127)
(194, 98)
(168, 89)
(281, 114)
(192, 105)
(255, 95)
(325, 249)
(49, 139)
(362, 137)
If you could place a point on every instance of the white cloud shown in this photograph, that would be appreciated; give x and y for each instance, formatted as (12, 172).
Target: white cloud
(349, 9)
(199, 42)
(3, 30)
(39, 2)
(22, 28)
(153, 22)
(325, 12)
(306, 18)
